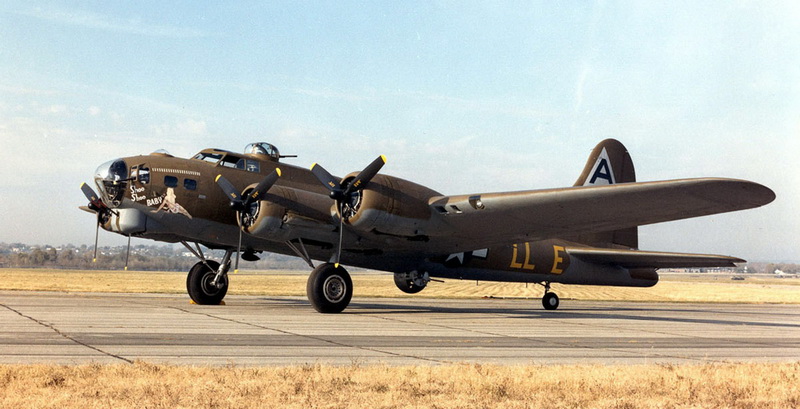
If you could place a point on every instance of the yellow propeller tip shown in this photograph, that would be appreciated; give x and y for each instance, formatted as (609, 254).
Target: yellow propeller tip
(278, 171)
(217, 178)
(312, 165)
(383, 157)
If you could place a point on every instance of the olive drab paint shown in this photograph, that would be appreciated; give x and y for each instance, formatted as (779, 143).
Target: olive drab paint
(584, 234)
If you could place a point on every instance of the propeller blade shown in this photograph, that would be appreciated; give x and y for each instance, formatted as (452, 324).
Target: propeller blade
(96, 238)
(340, 195)
(95, 203)
(238, 253)
(262, 187)
(366, 175)
(326, 178)
(341, 234)
(230, 191)
(128, 253)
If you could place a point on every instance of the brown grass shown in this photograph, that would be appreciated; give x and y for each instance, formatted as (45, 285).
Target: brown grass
(672, 288)
(455, 386)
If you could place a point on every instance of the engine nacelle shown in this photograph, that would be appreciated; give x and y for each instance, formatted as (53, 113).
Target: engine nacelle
(390, 205)
(281, 206)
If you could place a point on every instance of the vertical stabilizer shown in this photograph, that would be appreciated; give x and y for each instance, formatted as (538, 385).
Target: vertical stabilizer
(609, 164)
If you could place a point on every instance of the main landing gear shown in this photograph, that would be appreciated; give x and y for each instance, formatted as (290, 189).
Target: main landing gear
(549, 300)
(207, 282)
(329, 288)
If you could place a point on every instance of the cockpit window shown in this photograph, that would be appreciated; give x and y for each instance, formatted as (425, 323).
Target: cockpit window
(253, 166)
(230, 161)
(208, 157)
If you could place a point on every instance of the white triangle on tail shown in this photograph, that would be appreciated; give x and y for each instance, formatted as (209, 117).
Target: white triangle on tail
(601, 173)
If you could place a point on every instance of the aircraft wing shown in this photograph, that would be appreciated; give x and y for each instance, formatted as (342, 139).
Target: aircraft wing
(483, 220)
(650, 259)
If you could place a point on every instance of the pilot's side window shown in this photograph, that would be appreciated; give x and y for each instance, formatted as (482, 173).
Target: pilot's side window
(170, 181)
(253, 166)
(189, 184)
(143, 176)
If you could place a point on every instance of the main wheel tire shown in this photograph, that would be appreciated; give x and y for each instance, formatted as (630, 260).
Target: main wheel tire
(329, 288)
(550, 301)
(198, 284)
(405, 285)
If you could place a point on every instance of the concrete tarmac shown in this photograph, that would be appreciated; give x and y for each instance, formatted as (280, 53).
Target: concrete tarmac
(74, 328)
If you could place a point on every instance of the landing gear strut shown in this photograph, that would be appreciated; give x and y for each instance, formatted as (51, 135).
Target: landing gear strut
(549, 300)
(329, 288)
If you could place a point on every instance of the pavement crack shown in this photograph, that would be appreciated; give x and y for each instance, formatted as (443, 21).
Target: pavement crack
(548, 341)
(315, 338)
(65, 335)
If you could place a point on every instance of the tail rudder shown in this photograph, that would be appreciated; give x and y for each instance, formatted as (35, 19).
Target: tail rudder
(609, 164)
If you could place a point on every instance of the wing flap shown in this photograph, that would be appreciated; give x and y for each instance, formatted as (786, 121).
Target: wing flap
(651, 259)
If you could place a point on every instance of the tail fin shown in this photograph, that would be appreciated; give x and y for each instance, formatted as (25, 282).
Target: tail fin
(609, 164)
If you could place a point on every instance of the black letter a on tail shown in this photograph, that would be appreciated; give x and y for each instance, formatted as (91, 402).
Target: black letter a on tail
(603, 171)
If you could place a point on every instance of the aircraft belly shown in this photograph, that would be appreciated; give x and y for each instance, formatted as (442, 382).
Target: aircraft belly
(547, 260)
(578, 273)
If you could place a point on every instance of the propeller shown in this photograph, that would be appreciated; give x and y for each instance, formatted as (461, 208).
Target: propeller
(346, 195)
(99, 207)
(241, 205)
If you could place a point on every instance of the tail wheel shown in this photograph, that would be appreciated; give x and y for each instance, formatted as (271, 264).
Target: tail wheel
(199, 284)
(550, 301)
(329, 288)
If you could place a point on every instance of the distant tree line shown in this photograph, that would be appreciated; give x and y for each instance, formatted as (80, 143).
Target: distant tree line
(141, 257)
(177, 258)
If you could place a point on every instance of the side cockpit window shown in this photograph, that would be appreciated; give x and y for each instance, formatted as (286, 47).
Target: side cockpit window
(142, 175)
(230, 161)
(253, 166)
(189, 184)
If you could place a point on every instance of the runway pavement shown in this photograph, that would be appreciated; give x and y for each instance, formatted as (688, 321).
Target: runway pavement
(74, 328)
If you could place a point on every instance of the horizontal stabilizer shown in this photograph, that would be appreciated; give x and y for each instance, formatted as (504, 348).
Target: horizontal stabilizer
(651, 259)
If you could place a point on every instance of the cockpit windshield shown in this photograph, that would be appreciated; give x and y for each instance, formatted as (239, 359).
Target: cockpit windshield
(208, 157)
(229, 160)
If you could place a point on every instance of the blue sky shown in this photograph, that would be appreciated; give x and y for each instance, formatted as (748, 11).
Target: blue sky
(463, 97)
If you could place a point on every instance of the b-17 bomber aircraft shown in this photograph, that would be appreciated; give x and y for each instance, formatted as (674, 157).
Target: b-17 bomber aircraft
(253, 202)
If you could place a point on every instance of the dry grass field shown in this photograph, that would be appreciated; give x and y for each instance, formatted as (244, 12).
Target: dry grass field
(672, 288)
(142, 385)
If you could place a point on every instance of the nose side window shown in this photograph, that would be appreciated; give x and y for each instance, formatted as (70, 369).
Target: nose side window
(143, 175)
(170, 181)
